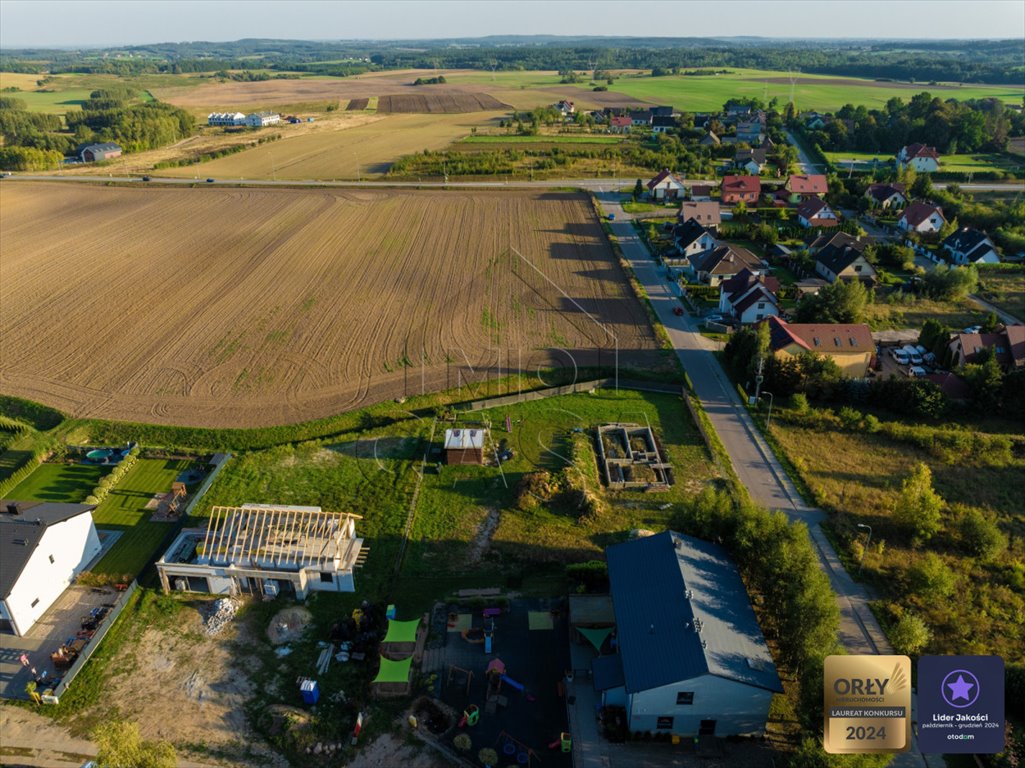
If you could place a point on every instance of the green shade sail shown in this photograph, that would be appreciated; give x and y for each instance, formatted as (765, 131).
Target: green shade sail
(401, 631)
(596, 636)
(394, 671)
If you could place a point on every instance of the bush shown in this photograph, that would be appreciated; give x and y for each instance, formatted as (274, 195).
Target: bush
(910, 635)
(931, 578)
(917, 509)
(800, 402)
(980, 535)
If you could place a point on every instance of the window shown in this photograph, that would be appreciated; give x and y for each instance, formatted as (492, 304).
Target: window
(664, 723)
(818, 342)
(52, 561)
(35, 602)
(327, 577)
(684, 697)
(857, 267)
(761, 305)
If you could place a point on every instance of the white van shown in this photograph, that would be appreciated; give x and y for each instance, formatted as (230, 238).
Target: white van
(899, 356)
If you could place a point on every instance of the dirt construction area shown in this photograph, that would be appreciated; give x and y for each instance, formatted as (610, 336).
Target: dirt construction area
(241, 307)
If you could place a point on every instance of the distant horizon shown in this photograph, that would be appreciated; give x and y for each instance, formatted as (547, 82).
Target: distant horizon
(379, 40)
(30, 24)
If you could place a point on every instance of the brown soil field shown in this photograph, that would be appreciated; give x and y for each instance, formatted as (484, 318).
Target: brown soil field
(343, 147)
(252, 307)
(585, 97)
(357, 104)
(439, 103)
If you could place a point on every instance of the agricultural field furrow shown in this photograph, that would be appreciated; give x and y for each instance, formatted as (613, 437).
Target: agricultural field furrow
(223, 307)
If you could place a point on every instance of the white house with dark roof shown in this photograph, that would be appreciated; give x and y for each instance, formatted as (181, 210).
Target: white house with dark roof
(691, 658)
(691, 239)
(748, 297)
(43, 547)
(922, 217)
(971, 246)
(920, 157)
(666, 185)
(886, 195)
(815, 212)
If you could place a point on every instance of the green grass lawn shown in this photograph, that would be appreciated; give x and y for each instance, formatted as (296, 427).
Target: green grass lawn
(961, 163)
(56, 102)
(914, 311)
(124, 510)
(707, 92)
(632, 206)
(59, 482)
(857, 476)
(1004, 287)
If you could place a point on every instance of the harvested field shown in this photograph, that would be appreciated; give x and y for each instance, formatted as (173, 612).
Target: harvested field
(433, 103)
(356, 104)
(333, 150)
(595, 99)
(219, 307)
(852, 81)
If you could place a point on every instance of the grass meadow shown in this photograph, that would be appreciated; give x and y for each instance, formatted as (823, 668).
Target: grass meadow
(59, 482)
(1004, 286)
(962, 163)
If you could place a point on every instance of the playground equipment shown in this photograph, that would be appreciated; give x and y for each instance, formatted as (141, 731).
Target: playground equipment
(509, 681)
(471, 716)
(565, 742)
(489, 635)
(468, 674)
(511, 747)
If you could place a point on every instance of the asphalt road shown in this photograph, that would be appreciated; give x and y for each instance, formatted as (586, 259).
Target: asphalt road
(592, 185)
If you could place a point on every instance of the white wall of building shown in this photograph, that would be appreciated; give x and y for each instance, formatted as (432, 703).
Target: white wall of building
(737, 708)
(71, 545)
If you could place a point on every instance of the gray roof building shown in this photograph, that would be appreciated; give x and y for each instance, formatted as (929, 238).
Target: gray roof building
(682, 612)
(22, 525)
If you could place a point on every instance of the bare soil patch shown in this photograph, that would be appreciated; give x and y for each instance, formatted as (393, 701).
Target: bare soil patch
(388, 751)
(357, 104)
(588, 98)
(288, 625)
(251, 307)
(434, 103)
(481, 542)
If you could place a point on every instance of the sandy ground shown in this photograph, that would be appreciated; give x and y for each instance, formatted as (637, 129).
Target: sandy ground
(389, 752)
(185, 686)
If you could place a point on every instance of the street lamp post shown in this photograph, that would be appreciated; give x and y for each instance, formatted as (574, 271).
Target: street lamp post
(768, 419)
(868, 528)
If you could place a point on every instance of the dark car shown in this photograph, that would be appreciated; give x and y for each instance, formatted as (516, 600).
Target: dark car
(209, 181)
(145, 178)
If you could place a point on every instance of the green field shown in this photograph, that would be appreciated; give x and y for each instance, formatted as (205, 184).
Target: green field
(961, 163)
(710, 92)
(59, 482)
(1004, 286)
(125, 510)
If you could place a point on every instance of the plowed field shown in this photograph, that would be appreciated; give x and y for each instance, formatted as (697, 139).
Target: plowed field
(439, 103)
(219, 307)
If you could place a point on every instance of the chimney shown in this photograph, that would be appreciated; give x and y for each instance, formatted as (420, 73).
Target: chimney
(12, 508)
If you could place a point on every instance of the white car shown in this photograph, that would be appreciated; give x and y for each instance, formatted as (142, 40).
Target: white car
(916, 370)
(972, 329)
(899, 356)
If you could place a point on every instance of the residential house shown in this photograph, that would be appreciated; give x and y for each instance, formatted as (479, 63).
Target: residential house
(971, 246)
(43, 547)
(662, 110)
(748, 297)
(226, 118)
(666, 185)
(737, 189)
(849, 345)
(706, 213)
(640, 117)
(814, 121)
(691, 239)
(662, 123)
(922, 217)
(264, 549)
(95, 153)
(814, 212)
(723, 262)
(751, 132)
(952, 385)
(691, 658)
(735, 111)
(701, 192)
(1008, 347)
(802, 186)
(262, 119)
(886, 195)
(920, 157)
(566, 108)
(750, 160)
(619, 124)
(842, 257)
(709, 140)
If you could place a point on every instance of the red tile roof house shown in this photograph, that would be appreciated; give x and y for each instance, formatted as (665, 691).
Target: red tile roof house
(886, 195)
(814, 212)
(920, 157)
(741, 188)
(849, 345)
(620, 124)
(666, 186)
(803, 187)
(922, 217)
(1008, 346)
(706, 213)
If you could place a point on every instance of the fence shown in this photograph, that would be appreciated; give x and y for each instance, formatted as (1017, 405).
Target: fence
(569, 389)
(92, 645)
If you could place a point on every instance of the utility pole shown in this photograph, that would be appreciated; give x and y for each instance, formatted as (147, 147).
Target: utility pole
(759, 378)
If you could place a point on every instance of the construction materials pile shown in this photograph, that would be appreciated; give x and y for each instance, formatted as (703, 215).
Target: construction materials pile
(224, 611)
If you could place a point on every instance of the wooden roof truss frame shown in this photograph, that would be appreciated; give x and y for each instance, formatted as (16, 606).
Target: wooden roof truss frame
(285, 536)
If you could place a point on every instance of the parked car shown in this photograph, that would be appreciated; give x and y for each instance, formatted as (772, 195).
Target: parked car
(929, 358)
(678, 311)
(209, 181)
(913, 354)
(899, 356)
(715, 317)
(972, 329)
(612, 216)
(916, 370)
(145, 178)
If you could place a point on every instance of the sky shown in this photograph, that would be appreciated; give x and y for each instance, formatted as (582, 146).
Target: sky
(72, 23)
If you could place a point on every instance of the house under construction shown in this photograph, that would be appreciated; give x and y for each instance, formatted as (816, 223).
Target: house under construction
(630, 458)
(265, 549)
